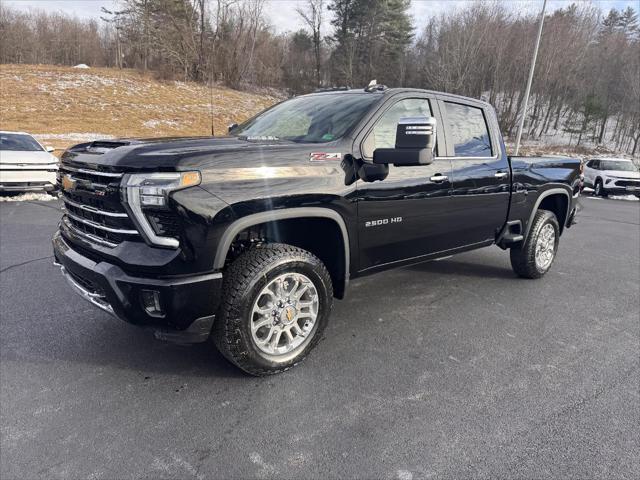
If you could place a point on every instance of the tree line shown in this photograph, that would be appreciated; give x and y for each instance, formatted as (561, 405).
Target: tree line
(586, 87)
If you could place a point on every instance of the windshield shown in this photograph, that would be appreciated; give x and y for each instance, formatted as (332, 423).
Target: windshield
(617, 165)
(309, 119)
(18, 143)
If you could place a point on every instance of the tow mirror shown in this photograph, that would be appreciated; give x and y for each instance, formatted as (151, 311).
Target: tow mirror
(415, 143)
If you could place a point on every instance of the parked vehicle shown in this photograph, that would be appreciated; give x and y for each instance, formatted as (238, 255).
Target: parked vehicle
(247, 239)
(612, 176)
(25, 165)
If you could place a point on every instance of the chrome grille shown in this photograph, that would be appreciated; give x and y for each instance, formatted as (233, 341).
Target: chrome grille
(93, 209)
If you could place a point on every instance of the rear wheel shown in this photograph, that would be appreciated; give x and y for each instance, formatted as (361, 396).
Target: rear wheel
(277, 302)
(534, 258)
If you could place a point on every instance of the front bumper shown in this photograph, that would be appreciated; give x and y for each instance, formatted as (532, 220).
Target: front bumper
(27, 180)
(188, 304)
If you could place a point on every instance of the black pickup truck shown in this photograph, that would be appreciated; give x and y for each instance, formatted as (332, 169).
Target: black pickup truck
(247, 239)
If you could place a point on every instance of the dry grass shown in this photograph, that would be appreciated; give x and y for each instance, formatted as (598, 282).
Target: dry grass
(63, 105)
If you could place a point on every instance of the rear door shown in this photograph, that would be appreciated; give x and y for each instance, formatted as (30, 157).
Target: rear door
(480, 178)
(402, 217)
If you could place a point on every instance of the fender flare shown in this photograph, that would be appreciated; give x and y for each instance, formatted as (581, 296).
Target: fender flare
(542, 196)
(282, 214)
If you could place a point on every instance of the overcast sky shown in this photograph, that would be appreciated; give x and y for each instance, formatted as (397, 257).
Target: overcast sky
(283, 15)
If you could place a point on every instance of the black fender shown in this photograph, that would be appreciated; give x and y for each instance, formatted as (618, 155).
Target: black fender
(282, 214)
(563, 190)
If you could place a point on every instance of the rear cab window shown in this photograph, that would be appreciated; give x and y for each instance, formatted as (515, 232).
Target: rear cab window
(468, 130)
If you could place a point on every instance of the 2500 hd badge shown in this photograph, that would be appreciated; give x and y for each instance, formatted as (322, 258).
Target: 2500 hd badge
(246, 240)
(383, 221)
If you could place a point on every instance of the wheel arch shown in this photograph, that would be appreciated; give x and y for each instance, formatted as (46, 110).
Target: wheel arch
(556, 200)
(339, 270)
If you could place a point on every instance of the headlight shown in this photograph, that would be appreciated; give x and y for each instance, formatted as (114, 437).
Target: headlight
(151, 191)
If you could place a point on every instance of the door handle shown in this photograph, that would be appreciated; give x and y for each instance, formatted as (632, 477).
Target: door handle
(501, 174)
(438, 178)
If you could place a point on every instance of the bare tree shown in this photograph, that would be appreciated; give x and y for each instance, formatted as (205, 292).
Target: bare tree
(312, 15)
(586, 88)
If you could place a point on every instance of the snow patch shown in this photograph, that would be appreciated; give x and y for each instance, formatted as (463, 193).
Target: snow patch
(161, 123)
(73, 136)
(81, 65)
(631, 198)
(28, 197)
(63, 82)
(405, 475)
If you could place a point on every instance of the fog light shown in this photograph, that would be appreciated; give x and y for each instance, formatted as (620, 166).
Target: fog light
(151, 302)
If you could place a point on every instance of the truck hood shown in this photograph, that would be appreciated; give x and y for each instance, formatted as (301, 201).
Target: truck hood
(188, 152)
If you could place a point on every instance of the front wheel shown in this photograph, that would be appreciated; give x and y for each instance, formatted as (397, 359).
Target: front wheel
(534, 258)
(599, 190)
(276, 305)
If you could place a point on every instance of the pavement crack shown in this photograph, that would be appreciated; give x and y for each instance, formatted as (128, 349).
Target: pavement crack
(24, 263)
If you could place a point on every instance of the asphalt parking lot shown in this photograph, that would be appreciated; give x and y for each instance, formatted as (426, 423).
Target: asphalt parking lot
(451, 369)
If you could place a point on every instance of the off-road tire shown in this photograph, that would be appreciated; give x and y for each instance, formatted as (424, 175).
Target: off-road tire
(523, 258)
(243, 280)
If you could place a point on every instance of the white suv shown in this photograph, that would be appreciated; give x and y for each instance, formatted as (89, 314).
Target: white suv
(612, 176)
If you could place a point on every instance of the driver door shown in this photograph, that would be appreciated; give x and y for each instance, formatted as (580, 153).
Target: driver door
(404, 216)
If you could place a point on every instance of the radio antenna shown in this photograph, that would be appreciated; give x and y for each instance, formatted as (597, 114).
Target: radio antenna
(211, 98)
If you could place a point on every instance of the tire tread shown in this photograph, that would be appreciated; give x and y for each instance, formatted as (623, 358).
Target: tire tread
(523, 258)
(254, 262)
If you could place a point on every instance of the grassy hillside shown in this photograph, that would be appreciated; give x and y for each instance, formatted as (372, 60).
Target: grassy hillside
(63, 105)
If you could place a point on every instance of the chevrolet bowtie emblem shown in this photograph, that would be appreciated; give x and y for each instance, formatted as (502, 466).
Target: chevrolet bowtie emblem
(68, 183)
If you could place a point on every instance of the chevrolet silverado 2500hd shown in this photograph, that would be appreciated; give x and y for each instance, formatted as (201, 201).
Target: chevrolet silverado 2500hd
(247, 239)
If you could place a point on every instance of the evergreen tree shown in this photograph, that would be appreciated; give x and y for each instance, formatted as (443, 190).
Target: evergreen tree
(370, 41)
(629, 22)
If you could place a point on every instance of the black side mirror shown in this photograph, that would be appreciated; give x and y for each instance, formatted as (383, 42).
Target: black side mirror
(232, 127)
(415, 143)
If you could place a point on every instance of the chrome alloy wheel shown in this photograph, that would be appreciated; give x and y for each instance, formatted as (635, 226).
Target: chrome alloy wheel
(284, 315)
(545, 247)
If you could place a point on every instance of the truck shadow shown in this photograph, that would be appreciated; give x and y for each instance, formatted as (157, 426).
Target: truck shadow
(114, 345)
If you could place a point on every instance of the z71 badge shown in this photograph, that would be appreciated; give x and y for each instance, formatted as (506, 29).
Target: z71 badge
(322, 156)
(382, 221)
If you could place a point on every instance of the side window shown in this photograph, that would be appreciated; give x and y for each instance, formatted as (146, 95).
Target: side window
(469, 131)
(383, 134)
(595, 164)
